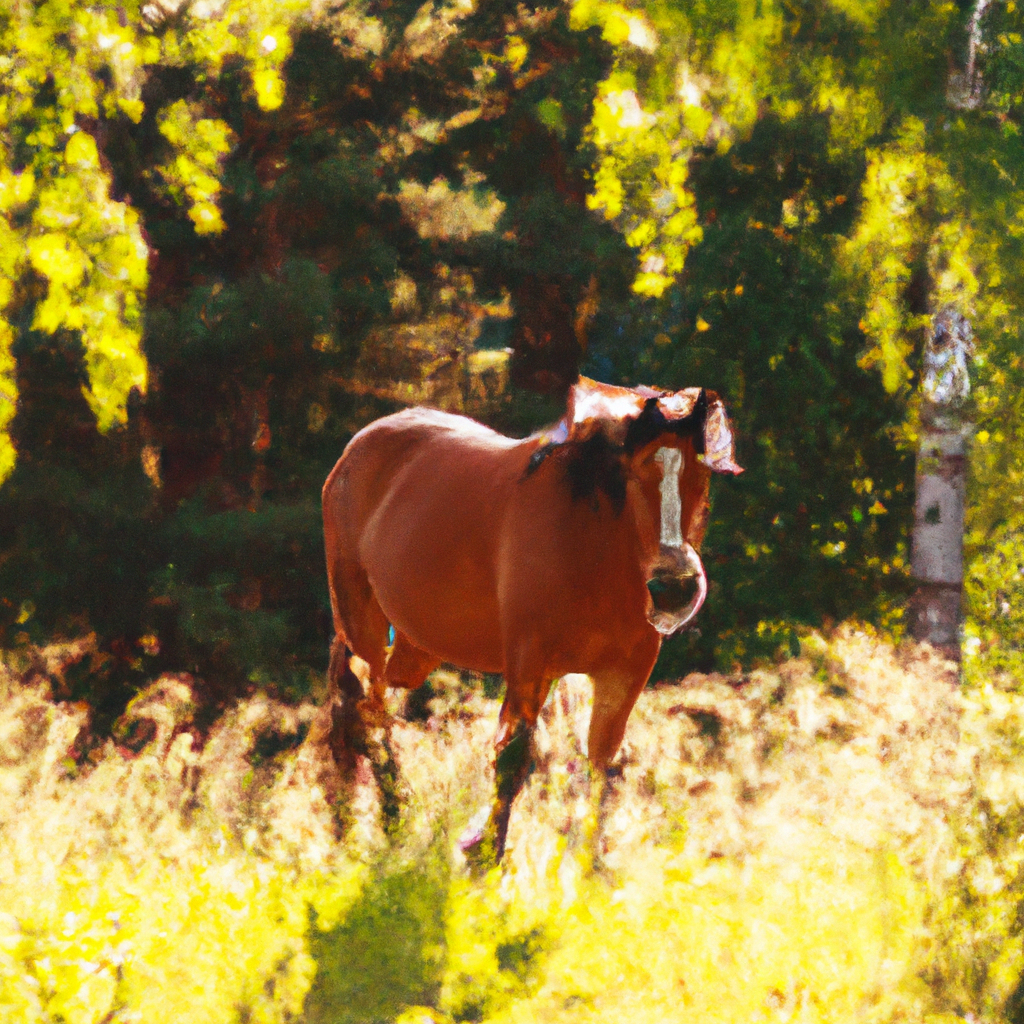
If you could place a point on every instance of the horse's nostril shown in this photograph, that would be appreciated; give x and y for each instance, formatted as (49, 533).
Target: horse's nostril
(671, 592)
(677, 587)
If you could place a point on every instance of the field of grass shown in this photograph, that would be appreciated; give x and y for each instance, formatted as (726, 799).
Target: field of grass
(837, 838)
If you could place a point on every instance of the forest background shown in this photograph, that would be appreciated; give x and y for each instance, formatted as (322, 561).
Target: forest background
(233, 233)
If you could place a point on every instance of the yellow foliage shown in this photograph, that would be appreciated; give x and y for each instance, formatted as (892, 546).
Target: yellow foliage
(269, 88)
(909, 203)
(81, 151)
(59, 259)
(820, 935)
(861, 12)
(8, 398)
(811, 858)
(68, 61)
(618, 24)
(651, 283)
(192, 176)
(856, 114)
(744, 69)
(640, 179)
(608, 191)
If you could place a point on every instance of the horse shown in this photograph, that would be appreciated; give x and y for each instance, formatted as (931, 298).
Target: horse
(531, 558)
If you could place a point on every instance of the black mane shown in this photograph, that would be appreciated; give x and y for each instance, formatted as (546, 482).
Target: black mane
(592, 466)
(596, 466)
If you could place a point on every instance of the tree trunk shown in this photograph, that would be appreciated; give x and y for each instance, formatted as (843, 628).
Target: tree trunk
(937, 559)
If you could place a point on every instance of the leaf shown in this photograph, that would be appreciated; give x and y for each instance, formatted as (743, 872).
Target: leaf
(269, 89)
(59, 259)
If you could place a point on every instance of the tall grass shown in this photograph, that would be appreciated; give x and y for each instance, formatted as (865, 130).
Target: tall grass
(832, 839)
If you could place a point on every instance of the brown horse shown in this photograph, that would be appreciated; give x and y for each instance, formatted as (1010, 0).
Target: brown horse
(529, 557)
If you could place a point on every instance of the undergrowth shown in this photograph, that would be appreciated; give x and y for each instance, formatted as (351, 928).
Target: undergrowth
(836, 838)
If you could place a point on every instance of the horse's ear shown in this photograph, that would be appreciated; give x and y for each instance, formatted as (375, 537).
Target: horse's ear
(718, 441)
(595, 408)
(631, 417)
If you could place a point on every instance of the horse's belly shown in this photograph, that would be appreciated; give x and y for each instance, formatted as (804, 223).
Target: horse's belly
(430, 563)
(444, 619)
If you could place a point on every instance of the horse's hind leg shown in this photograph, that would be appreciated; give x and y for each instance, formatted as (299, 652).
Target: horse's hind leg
(360, 627)
(359, 622)
(346, 736)
(358, 721)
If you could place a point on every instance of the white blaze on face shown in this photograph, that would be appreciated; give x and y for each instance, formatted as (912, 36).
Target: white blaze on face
(671, 460)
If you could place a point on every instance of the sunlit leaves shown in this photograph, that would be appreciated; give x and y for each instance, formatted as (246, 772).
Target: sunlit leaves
(707, 88)
(90, 252)
(63, 263)
(618, 23)
(748, 65)
(861, 12)
(269, 88)
(59, 223)
(15, 190)
(442, 212)
(192, 177)
(62, 67)
(909, 217)
(856, 114)
(257, 31)
(640, 178)
(8, 399)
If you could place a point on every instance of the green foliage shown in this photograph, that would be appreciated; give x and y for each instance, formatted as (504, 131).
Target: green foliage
(816, 527)
(250, 228)
(890, 194)
(388, 951)
(977, 922)
(74, 256)
(995, 592)
(319, 198)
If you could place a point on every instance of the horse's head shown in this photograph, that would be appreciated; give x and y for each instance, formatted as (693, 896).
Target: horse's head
(669, 442)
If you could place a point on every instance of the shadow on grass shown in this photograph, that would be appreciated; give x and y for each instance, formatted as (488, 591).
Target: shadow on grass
(388, 952)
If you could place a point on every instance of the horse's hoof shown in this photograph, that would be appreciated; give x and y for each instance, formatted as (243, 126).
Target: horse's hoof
(475, 832)
(480, 843)
(471, 840)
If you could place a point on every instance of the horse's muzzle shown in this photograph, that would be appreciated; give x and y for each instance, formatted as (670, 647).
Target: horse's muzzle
(676, 571)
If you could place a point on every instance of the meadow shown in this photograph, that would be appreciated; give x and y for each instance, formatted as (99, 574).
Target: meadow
(833, 838)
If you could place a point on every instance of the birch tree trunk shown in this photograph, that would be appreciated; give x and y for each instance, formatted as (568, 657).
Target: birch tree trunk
(937, 556)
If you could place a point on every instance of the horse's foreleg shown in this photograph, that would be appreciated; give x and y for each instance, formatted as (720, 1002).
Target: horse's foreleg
(616, 690)
(615, 693)
(513, 761)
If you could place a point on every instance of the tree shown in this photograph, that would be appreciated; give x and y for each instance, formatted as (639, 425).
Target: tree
(322, 213)
(906, 201)
(335, 211)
